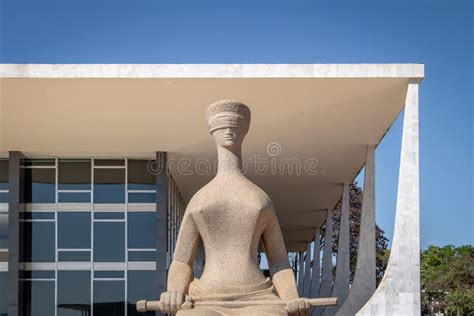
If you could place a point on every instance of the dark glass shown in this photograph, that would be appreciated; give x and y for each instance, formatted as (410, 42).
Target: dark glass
(3, 230)
(109, 274)
(141, 230)
(140, 286)
(74, 174)
(74, 197)
(38, 162)
(109, 298)
(141, 197)
(74, 293)
(109, 241)
(38, 241)
(40, 186)
(3, 293)
(109, 186)
(3, 175)
(38, 298)
(141, 256)
(74, 229)
(36, 215)
(37, 274)
(139, 176)
(3, 197)
(109, 162)
(109, 215)
(74, 256)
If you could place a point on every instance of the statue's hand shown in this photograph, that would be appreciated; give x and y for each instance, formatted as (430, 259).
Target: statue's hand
(171, 301)
(298, 307)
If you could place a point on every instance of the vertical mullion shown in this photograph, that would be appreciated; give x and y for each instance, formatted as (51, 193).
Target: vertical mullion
(126, 237)
(92, 237)
(56, 199)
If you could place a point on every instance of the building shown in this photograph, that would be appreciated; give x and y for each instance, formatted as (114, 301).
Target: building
(100, 160)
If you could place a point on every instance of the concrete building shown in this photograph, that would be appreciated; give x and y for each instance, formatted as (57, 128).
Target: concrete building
(98, 163)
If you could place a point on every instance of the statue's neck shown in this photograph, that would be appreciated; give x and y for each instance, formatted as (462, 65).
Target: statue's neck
(229, 161)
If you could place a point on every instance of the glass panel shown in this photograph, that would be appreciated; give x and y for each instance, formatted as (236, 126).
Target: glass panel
(141, 230)
(142, 255)
(3, 174)
(109, 241)
(139, 176)
(40, 186)
(140, 286)
(74, 174)
(74, 256)
(109, 215)
(109, 298)
(38, 241)
(74, 197)
(109, 162)
(74, 229)
(109, 186)
(36, 215)
(109, 274)
(38, 298)
(3, 293)
(38, 162)
(3, 197)
(74, 293)
(37, 274)
(3, 231)
(141, 197)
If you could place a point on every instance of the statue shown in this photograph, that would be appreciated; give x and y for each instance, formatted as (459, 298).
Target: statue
(231, 216)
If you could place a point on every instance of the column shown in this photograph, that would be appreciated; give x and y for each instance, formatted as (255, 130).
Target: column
(315, 269)
(162, 259)
(399, 290)
(326, 278)
(300, 272)
(364, 282)
(15, 206)
(343, 272)
(307, 271)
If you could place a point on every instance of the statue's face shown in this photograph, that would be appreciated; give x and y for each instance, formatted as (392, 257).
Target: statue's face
(228, 137)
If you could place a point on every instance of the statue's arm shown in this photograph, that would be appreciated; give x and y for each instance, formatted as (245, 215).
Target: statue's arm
(280, 270)
(180, 272)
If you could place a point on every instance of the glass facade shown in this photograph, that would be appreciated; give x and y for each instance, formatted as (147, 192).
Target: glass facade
(87, 235)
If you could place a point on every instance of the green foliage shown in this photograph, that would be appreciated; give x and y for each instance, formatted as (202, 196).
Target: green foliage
(447, 280)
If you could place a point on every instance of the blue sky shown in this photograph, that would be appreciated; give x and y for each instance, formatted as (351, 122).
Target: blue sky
(434, 32)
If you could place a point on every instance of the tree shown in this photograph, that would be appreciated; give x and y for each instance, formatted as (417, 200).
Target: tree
(382, 253)
(447, 280)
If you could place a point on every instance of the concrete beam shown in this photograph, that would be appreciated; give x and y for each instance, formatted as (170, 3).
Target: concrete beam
(364, 282)
(316, 268)
(399, 290)
(343, 273)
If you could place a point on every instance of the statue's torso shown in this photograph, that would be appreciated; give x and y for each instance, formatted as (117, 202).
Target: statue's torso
(230, 214)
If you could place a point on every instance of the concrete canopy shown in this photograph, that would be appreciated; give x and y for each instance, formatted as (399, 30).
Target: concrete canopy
(309, 131)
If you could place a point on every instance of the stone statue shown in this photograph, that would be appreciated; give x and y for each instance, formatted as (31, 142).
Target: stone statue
(231, 216)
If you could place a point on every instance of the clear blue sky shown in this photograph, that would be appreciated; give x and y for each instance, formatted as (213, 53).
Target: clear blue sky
(434, 32)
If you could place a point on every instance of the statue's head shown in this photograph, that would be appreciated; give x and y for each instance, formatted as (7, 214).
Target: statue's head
(228, 122)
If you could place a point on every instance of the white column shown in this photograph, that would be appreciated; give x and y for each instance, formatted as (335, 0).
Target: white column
(399, 290)
(364, 282)
(316, 268)
(307, 271)
(343, 272)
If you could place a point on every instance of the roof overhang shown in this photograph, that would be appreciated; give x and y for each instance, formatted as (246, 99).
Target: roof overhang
(318, 118)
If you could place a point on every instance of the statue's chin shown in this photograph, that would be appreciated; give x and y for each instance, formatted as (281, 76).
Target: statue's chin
(229, 144)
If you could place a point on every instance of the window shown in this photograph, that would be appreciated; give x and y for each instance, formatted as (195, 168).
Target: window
(140, 286)
(109, 241)
(141, 230)
(3, 174)
(109, 185)
(38, 298)
(109, 298)
(40, 185)
(139, 175)
(74, 174)
(74, 229)
(3, 232)
(3, 293)
(38, 241)
(74, 293)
